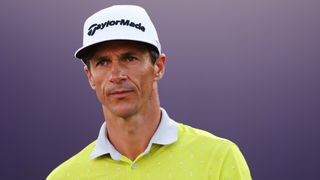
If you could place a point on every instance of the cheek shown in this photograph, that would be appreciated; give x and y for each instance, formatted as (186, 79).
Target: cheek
(146, 82)
(100, 81)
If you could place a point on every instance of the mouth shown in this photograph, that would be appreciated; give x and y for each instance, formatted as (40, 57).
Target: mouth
(121, 93)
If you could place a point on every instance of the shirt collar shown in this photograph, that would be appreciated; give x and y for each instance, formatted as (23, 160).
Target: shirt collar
(167, 133)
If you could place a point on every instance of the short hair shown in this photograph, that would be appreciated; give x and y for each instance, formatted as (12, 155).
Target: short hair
(90, 51)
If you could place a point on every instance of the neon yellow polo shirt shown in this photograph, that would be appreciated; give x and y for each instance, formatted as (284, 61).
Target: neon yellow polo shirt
(176, 151)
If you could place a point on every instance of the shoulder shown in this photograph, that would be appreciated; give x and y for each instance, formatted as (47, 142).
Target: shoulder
(210, 146)
(197, 137)
(66, 168)
(220, 153)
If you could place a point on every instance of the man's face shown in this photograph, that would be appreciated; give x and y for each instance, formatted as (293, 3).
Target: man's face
(123, 77)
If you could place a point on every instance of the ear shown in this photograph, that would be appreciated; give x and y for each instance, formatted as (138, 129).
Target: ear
(89, 75)
(160, 66)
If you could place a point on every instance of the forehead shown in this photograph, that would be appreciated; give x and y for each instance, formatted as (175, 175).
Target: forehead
(121, 45)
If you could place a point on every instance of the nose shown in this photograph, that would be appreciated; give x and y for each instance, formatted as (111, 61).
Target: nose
(118, 73)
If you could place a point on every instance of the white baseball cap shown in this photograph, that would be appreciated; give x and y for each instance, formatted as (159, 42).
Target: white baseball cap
(119, 22)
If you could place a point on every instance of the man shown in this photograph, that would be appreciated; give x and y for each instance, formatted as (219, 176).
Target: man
(138, 140)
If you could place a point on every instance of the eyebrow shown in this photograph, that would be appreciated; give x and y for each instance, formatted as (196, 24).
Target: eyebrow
(99, 58)
(121, 56)
(127, 54)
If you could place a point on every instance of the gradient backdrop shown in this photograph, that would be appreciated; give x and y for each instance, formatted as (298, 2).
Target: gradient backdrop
(246, 70)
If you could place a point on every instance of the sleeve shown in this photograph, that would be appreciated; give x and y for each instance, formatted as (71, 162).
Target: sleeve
(234, 166)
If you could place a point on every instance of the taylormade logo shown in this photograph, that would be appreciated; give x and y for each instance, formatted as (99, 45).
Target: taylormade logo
(94, 27)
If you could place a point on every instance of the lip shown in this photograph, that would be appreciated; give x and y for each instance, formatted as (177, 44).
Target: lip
(120, 93)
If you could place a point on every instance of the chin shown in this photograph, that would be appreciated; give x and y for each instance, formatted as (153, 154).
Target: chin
(123, 111)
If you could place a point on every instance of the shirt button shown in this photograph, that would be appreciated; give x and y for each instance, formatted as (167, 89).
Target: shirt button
(134, 166)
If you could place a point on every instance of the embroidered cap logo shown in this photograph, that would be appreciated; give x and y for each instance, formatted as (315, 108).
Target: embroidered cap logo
(119, 22)
(94, 27)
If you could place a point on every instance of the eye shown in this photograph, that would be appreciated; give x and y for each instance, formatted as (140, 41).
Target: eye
(102, 62)
(130, 58)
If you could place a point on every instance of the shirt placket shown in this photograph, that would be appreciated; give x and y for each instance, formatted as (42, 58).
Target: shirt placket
(133, 168)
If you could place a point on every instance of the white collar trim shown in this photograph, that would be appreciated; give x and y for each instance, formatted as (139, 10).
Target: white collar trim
(167, 133)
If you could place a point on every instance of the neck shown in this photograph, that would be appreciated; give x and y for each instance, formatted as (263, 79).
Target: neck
(131, 136)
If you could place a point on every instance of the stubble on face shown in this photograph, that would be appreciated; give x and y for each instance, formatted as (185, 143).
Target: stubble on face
(134, 91)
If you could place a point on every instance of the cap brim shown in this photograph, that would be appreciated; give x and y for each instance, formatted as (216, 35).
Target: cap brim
(83, 51)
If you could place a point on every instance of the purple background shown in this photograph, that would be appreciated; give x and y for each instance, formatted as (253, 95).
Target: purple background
(245, 70)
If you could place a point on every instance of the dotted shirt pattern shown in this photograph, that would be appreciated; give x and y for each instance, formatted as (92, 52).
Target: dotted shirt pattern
(196, 154)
